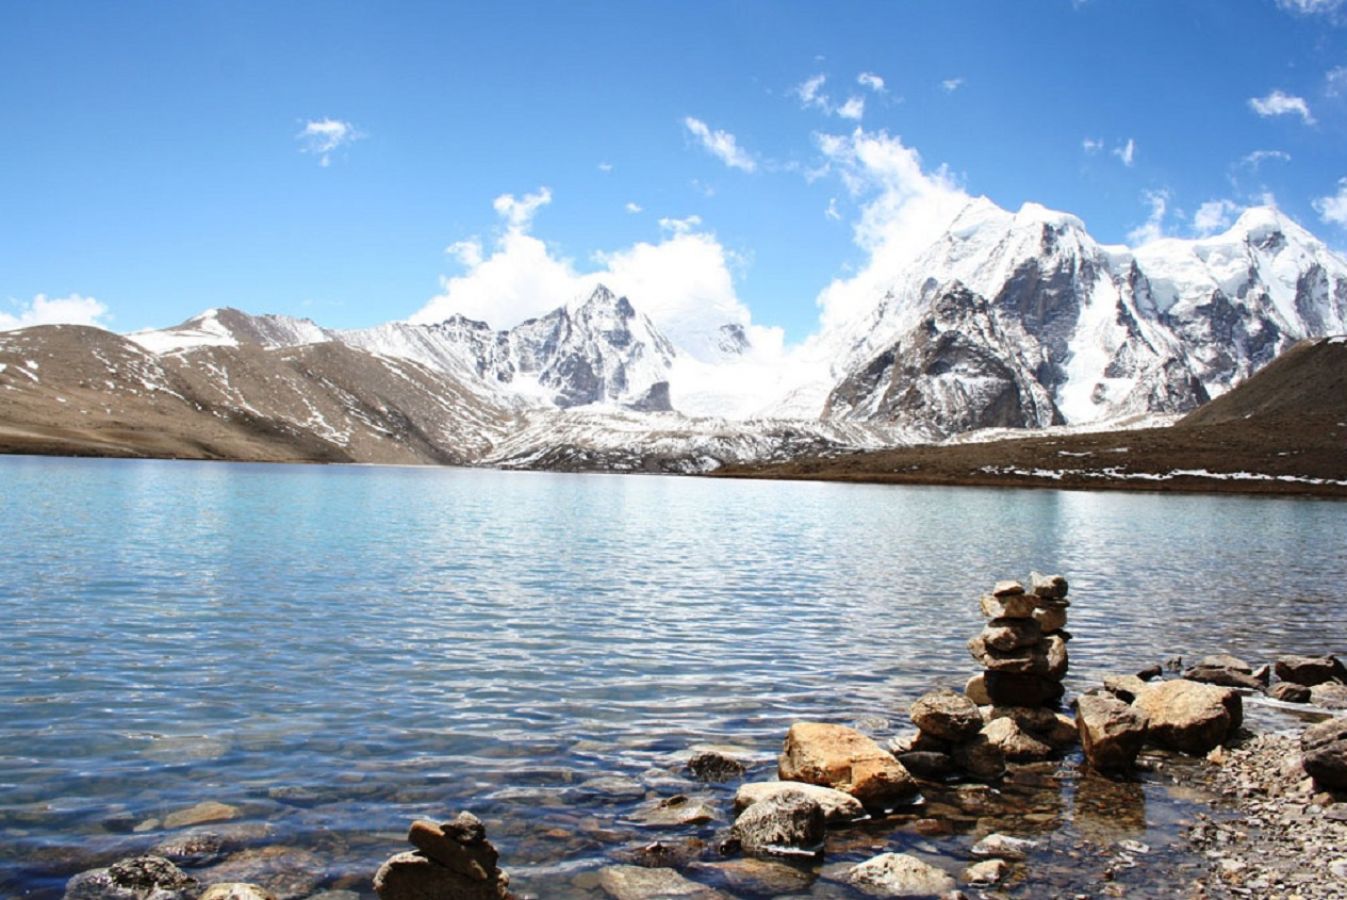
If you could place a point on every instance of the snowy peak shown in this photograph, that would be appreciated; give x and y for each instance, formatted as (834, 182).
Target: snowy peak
(229, 327)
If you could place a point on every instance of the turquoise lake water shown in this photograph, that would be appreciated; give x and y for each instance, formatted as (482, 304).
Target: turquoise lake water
(337, 650)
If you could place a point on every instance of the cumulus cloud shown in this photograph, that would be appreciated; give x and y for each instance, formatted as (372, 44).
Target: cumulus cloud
(632, 207)
(44, 310)
(720, 144)
(952, 84)
(905, 208)
(1214, 216)
(871, 81)
(1333, 208)
(684, 281)
(1153, 228)
(1126, 152)
(853, 109)
(810, 92)
(1279, 103)
(322, 137)
(518, 214)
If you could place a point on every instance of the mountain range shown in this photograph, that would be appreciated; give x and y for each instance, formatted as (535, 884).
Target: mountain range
(1000, 321)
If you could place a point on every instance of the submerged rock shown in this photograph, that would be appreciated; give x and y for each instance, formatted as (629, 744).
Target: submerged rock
(1189, 716)
(137, 878)
(288, 872)
(1003, 846)
(989, 871)
(237, 890)
(785, 823)
(837, 806)
(839, 757)
(899, 875)
(714, 765)
(208, 811)
(638, 883)
(677, 810)
(1111, 732)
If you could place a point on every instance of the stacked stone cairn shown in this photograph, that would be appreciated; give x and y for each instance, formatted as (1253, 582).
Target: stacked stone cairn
(1007, 712)
(453, 861)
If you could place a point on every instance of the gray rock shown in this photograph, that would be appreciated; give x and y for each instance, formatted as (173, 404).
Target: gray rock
(1111, 732)
(1324, 752)
(989, 871)
(946, 715)
(837, 806)
(1003, 846)
(1329, 695)
(137, 878)
(1309, 670)
(712, 765)
(1289, 692)
(677, 810)
(236, 890)
(980, 758)
(638, 883)
(1015, 744)
(785, 823)
(899, 875)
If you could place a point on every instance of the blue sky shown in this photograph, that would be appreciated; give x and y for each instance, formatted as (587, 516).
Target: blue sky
(352, 161)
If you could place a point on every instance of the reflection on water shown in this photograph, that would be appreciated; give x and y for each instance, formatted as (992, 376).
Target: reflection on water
(336, 650)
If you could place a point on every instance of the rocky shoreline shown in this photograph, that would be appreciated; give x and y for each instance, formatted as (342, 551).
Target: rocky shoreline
(987, 797)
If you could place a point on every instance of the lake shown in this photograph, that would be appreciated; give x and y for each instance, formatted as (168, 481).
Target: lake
(334, 651)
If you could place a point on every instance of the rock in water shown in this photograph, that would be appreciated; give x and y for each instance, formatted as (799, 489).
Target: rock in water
(1310, 670)
(980, 758)
(1289, 692)
(639, 883)
(137, 878)
(1189, 716)
(1329, 695)
(899, 875)
(946, 715)
(712, 765)
(1015, 744)
(836, 805)
(839, 757)
(1111, 732)
(237, 890)
(454, 861)
(783, 824)
(1324, 752)
(1003, 846)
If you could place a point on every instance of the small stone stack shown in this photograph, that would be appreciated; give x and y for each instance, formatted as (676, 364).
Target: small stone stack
(1022, 648)
(453, 861)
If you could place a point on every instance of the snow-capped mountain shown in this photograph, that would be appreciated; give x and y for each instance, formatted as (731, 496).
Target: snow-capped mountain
(1022, 319)
(1002, 321)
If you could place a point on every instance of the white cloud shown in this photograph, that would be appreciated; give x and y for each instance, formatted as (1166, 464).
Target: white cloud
(1335, 81)
(1092, 145)
(632, 207)
(680, 226)
(832, 212)
(1153, 228)
(1279, 103)
(1258, 157)
(905, 209)
(871, 81)
(44, 310)
(853, 109)
(518, 214)
(810, 93)
(605, 167)
(684, 282)
(1214, 216)
(720, 144)
(1333, 208)
(1311, 7)
(1127, 152)
(952, 84)
(323, 136)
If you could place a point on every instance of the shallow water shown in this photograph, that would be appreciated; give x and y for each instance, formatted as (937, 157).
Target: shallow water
(337, 650)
